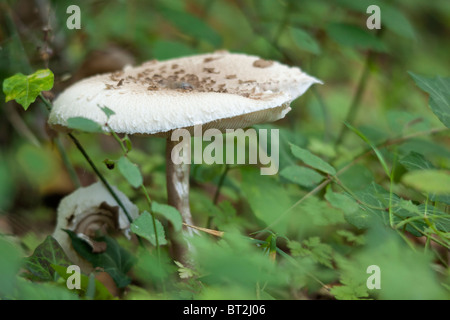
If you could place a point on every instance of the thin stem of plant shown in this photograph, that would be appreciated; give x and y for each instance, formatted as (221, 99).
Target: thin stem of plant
(362, 83)
(70, 169)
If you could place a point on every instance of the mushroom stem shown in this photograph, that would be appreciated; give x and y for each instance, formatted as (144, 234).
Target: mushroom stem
(177, 175)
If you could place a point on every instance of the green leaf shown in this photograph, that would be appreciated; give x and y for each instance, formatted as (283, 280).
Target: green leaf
(47, 253)
(312, 160)
(301, 175)
(415, 161)
(191, 25)
(304, 41)
(352, 212)
(130, 171)
(170, 213)
(397, 22)
(439, 90)
(355, 37)
(25, 89)
(143, 226)
(267, 198)
(107, 111)
(101, 293)
(429, 180)
(84, 124)
(116, 261)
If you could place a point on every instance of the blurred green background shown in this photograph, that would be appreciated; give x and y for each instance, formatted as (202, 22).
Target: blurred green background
(366, 83)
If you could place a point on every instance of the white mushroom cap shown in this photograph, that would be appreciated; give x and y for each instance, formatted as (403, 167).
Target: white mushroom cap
(220, 90)
(87, 210)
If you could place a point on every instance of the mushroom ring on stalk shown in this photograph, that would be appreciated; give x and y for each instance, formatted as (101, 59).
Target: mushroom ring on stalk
(220, 90)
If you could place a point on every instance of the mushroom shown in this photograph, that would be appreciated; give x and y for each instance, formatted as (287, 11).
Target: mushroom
(87, 211)
(219, 90)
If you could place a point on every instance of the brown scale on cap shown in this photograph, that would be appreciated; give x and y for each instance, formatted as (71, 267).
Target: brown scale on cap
(261, 63)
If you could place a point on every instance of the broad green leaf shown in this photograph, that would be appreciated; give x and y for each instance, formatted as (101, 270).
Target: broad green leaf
(352, 212)
(47, 253)
(116, 261)
(143, 226)
(439, 90)
(84, 124)
(170, 213)
(267, 198)
(304, 40)
(101, 293)
(312, 160)
(10, 263)
(130, 171)
(415, 161)
(355, 37)
(429, 180)
(301, 175)
(25, 89)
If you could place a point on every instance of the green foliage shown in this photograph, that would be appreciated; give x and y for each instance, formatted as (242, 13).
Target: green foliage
(116, 261)
(378, 195)
(429, 181)
(304, 41)
(301, 175)
(312, 160)
(191, 25)
(130, 171)
(266, 197)
(100, 291)
(439, 90)
(25, 89)
(405, 274)
(314, 248)
(143, 226)
(170, 213)
(355, 37)
(46, 254)
(9, 267)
